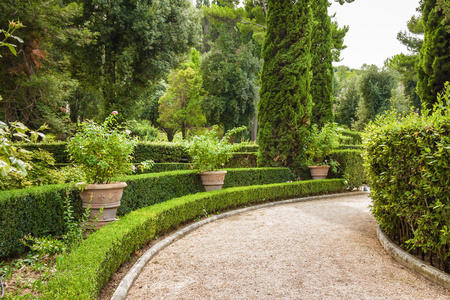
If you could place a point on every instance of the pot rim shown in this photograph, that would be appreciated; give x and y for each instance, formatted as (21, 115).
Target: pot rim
(101, 186)
(214, 172)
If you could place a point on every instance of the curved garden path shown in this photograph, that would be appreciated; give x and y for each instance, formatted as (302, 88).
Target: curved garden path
(325, 249)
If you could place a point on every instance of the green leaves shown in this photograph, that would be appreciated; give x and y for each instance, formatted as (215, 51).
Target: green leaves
(208, 153)
(408, 162)
(103, 151)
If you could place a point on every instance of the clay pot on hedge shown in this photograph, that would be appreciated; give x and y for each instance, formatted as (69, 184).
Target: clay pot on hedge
(319, 172)
(213, 180)
(106, 196)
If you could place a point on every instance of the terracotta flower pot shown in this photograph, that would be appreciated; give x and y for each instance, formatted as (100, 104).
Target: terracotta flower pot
(106, 196)
(319, 172)
(212, 180)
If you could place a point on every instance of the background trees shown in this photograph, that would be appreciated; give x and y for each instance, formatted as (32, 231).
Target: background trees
(35, 84)
(136, 44)
(179, 107)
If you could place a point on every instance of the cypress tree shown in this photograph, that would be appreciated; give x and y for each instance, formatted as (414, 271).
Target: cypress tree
(321, 64)
(284, 109)
(433, 69)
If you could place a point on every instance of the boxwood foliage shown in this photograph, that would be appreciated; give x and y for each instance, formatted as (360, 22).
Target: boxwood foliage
(86, 270)
(165, 167)
(355, 137)
(408, 165)
(243, 160)
(351, 167)
(57, 149)
(39, 210)
(160, 152)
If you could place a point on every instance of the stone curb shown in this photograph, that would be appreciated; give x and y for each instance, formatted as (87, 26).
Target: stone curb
(429, 272)
(129, 279)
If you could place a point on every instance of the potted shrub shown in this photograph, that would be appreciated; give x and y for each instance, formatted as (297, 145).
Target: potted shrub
(209, 154)
(103, 152)
(321, 143)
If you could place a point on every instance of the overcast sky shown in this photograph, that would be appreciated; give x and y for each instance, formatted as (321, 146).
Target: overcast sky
(374, 25)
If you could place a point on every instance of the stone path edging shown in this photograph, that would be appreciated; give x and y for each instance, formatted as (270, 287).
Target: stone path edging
(129, 279)
(431, 273)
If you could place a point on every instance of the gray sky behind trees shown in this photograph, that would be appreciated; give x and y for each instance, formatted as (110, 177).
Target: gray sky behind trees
(374, 25)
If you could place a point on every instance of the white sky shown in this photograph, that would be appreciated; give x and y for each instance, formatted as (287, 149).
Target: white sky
(374, 25)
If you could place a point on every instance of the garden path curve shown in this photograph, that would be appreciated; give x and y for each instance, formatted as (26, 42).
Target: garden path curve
(323, 249)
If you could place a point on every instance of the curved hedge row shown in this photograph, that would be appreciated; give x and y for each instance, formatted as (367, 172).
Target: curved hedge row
(408, 164)
(87, 269)
(39, 210)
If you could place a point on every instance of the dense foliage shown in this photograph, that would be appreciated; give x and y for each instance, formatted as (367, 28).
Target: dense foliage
(102, 150)
(284, 109)
(229, 73)
(408, 162)
(375, 87)
(433, 68)
(136, 44)
(208, 152)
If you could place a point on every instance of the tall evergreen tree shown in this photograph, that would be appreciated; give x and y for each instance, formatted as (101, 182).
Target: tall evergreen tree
(321, 66)
(433, 69)
(284, 109)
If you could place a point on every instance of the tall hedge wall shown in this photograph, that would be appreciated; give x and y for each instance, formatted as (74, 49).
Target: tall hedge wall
(39, 210)
(408, 165)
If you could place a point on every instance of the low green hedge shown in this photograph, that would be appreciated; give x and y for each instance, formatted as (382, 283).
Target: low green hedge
(87, 269)
(243, 160)
(58, 149)
(351, 167)
(166, 167)
(355, 136)
(39, 211)
(160, 152)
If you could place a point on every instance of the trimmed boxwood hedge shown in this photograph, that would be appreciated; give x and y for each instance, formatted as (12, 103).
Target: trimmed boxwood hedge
(87, 269)
(351, 166)
(39, 210)
(355, 137)
(160, 152)
(243, 160)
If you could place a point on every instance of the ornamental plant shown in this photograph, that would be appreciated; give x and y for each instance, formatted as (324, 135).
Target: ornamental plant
(208, 152)
(103, 151)
(321, 143)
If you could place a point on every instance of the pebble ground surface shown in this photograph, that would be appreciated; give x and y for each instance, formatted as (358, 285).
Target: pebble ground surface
(325, 249)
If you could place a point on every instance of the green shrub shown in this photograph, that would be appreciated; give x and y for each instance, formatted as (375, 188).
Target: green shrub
(85, 271)
(58, 149)
(351, 167)
(355, 137)
(164, 167)
(159, 152)
(408, 166)
(37, 211)
(243, 160)
(144, 130)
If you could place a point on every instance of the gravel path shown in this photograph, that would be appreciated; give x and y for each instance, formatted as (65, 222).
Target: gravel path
(324, 249)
